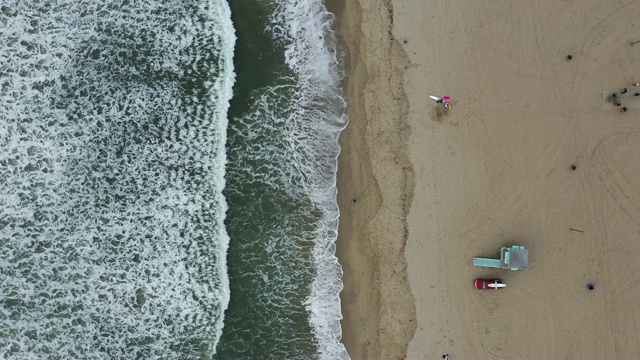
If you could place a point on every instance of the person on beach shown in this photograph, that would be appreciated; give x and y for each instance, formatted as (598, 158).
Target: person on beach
(624, 91)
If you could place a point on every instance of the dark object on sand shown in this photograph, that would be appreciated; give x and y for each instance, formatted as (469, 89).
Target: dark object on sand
(617, 103)
(636, 94)
(573, 167)
(623, 91)
(569, 57)
(591, 287)
(624, 109)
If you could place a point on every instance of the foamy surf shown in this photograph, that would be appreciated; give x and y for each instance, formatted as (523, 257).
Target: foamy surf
(312, 54)
(281, 178)
(112, 167)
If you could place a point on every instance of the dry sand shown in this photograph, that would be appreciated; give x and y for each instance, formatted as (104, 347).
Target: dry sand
(493, 171)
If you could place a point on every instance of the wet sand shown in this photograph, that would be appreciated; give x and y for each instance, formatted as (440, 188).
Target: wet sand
(375, 186)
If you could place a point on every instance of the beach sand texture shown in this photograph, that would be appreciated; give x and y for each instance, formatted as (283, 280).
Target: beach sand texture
(493, 171)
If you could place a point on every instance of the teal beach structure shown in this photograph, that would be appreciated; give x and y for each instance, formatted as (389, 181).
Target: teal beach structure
(515, 258)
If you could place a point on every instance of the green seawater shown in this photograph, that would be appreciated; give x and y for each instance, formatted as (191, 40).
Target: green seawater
(285, 118)
(112, 154)
(269, 262)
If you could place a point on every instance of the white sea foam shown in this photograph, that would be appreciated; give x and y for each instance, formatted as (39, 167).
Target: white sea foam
(306, 31)
(112, 165)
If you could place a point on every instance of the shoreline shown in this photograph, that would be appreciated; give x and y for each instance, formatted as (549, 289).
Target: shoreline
(373, 208)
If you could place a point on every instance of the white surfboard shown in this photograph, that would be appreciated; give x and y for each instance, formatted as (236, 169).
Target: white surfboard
(435, 98)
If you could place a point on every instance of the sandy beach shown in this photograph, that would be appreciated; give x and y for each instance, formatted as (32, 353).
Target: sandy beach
(422, 190)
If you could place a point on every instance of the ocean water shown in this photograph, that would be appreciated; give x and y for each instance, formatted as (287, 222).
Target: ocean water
(284, 121)
(168, 191)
